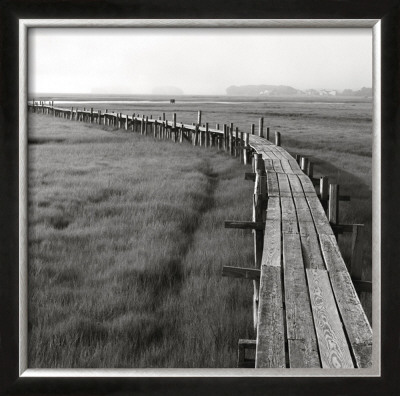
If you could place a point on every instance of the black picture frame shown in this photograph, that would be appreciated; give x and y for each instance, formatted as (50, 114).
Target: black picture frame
(10, 13)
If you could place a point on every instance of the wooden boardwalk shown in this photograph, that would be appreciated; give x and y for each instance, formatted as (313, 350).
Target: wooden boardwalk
(309, 312)
(306, 310)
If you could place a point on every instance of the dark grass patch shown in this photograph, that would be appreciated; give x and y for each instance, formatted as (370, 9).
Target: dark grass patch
(39, 140)
(59, 222)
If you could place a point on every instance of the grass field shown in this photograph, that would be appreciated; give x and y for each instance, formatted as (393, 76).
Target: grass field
(126, 247)
(127, 233)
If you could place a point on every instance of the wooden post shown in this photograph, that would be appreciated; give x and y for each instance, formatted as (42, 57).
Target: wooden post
(142, 126)
(174, 121)
(333, 207)
(196, 135)
(126, 122)
(199, 117)
(261, 127)
(242, 149)
(277, 138)
(217, 127)
(237, 142)
(310, 170)
(146, 124)
(304, 164)
(298, 158)
(225, 137)
(219, 137)
(91, 115)
(207, 137)
(72, 113)
(244, 345)
(324, 191)
(231, 141)
(252, 128)
(246, 151)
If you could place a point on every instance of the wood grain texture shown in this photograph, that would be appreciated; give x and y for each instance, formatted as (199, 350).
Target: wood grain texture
(278, 166)
(289, 217)
(271, 255)
(286, 166)
(333, 348)
(270, 351)
(308, 186)
(272, 184)
(295, 185)
(303, 349)
(284, 186)
(356, 323)
(269, 166)
(321, 222)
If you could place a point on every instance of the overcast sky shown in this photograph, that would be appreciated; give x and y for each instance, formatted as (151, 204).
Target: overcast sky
(198, 61)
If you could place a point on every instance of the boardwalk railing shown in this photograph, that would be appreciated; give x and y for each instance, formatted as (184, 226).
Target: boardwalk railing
(306, 309)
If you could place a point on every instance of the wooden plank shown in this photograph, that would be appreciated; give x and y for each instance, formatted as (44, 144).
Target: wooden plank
(284, 186)
(286, 166)
(289, 217)
(309, 240)
(238, 272)
(358, 329)
(269, 166)
(246, 225)
(319, 217)
(272, 237)
(272, 185)
(308, 186)
(333, 348)
(311, 252)
(302, 342)
(270, 350)
(295, 185)
(278, 166)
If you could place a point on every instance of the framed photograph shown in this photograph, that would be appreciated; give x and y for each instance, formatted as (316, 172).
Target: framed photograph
(132, 145)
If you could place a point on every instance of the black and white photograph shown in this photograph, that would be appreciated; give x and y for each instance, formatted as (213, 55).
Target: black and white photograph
(201, 197)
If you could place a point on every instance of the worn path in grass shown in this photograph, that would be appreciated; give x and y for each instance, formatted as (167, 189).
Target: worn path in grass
(126, 248)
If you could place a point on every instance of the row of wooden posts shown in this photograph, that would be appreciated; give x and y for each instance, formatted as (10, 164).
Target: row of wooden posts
(229, 138)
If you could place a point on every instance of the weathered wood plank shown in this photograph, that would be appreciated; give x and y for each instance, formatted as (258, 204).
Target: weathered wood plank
(333, 348)
(238, 272)
(272, 184)
(278, 166)
(284, 186)
(272, 236)
(302, 343)
(245, 225)
(289, 217)
(308, 186)
(269, 166)
(295, 185)
(286, 166)
(309, 239)
(270, 351)
(357, 327)
(319, 217)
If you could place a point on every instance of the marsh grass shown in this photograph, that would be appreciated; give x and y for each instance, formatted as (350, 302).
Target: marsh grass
(126, 248)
